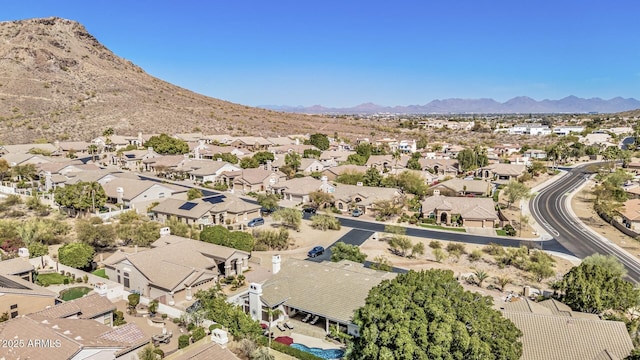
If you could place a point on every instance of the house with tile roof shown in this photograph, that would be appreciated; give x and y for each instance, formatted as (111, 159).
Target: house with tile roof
(91, 307)
(308, 166)
(299, 189)
(332, 291)
(208, 211)
(332, 158)
(475, 212)
(252, 180)
(139, 194)
(62, 339)
(440, 167)
(175, 268)
(550, 330)
(501, 173)
(208, 171)
(19, 296)
(333, 172)
(348, 197)
(203, 350)
(462, 187)
(251, 143)
(630, 214)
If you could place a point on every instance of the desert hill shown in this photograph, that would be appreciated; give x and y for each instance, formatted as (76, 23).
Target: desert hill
(58, 82)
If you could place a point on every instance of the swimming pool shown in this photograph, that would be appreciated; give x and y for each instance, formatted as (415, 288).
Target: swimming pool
(321, 353)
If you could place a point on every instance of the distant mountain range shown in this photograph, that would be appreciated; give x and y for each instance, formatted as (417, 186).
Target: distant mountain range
(520, 104)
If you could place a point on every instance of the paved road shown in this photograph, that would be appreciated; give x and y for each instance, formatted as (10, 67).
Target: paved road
(551, 210)
(551, 245)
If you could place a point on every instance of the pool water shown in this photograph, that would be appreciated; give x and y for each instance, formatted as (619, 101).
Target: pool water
(321, 353)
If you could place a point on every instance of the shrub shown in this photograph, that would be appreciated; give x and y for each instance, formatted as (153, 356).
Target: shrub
(475, 255)
(435, 244)
(456, 248)
(494, 249)
(214, 326)
(65, 281)
(183, 341)
(159, 352)
(198, 333)
(191, 326)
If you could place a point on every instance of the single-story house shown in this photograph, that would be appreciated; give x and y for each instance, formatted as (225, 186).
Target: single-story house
(461, 187)
(333, 172)
(298, 189)
(308, 166)
(349, 197)
(331, 158)
(76, 339)
(331, 291)
(252, 180)
(442, 167)
(550, 334)
(138, 194)
(175, 268)
(211, 210)
(207, 171)
(252, 143)
(501, 172)
(91, 307)
(473, 212)
(630, 214)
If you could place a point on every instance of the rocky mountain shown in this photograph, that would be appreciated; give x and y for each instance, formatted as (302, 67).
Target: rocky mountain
(58, 82)
(521, 104)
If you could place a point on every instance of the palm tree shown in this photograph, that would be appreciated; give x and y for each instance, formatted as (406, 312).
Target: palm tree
(93, 150)
(272, 312)
(481, 276)
(147, 353)
(261, 354)
(503, 281)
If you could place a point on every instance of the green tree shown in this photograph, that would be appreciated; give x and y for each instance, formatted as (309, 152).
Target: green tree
(469, 159)
(325, 222)
(381, 263)
(350, 177)
(610, 262)
(412, 183)
(81, 196)
(372, 177)
(387, 208)
(249, 163)
(4, 169)
(409, 316)
(417, 249)
(37, 249)
(194, 193)
(516, 191)
(268, 201)
(77, 255)
(97, 235)
(311, 154)
(320, 198)
(228, 157)
(289, 217)
(414, 162)
(292, 160)
(165, 145)
(595, 288)
(147, 353)
(221, 236)
(263, 156)
(321, 141)
(342, 251)
(271, 239)
(232, 317)
(400, 244)
(24, 172)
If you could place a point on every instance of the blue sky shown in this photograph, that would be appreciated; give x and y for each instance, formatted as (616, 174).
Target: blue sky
(343, 53)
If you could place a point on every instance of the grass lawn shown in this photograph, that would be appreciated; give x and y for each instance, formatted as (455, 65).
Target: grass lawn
(443, 228)
(501, 232)
(51, 279)
(74, 293)
(101, 273)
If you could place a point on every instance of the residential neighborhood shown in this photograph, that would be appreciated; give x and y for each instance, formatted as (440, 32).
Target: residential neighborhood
(233, 218)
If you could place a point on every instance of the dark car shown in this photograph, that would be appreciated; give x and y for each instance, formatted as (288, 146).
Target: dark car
(309, 210)
(316, 251)
(356, 212)
(255, 222)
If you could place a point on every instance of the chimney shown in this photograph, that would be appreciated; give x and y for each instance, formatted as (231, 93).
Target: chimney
(255, 304)
(359, 183)
(140, 141)
(275, 262)
(23, 253)
(436, 192)
(120, 195)
(268, 165)
(150, 149)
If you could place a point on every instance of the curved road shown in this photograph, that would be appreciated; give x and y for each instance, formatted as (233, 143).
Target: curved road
(550, 209)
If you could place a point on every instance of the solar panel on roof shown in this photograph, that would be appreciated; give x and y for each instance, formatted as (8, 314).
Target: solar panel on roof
(188, 206)
(214, 199)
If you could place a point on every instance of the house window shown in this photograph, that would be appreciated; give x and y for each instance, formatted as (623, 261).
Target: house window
(161, 195)
(14, 306)
(14, 314)
(126, 283)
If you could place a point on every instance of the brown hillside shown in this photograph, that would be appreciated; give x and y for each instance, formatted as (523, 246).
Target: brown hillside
(58, 82)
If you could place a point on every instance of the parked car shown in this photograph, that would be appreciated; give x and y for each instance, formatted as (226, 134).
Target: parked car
(309, 210)
(356, 212)
(255, 222)
(316, 251)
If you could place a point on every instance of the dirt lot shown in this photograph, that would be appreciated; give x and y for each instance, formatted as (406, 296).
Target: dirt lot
(582, 204)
